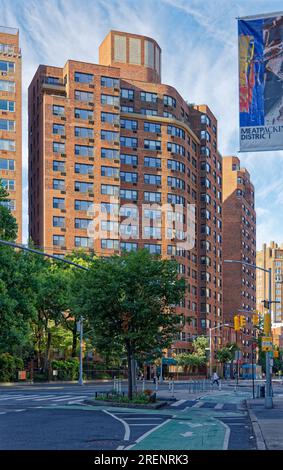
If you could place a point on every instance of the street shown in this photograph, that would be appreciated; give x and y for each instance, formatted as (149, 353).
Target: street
(56, 417)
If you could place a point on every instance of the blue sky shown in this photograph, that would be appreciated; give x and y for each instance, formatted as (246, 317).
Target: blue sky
(199, 58)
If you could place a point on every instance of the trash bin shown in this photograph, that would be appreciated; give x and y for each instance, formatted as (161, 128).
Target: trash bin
(262, 391)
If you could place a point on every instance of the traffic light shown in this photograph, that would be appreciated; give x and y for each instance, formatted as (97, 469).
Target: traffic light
(266, 304)
(236, 322)
(243, 321)
(255, 319)
(267, 324)
(276, 353)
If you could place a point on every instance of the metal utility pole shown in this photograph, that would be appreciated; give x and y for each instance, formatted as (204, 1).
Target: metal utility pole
(80, 323)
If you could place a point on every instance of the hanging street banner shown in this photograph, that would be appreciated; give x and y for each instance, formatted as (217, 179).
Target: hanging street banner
(261, 82)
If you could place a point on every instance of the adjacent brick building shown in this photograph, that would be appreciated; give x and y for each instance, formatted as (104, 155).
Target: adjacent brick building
(271, 256)
(11, 120)
(239, 243)
(113, 130)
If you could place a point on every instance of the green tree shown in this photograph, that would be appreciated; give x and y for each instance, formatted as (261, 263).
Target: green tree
(8, 224)
(195, 359)
(129, 301)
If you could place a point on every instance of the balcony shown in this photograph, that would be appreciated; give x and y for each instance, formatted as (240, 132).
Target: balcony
(53, 85)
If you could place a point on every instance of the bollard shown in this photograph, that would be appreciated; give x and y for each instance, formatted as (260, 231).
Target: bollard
(172, 388)
(143, 385)
(219, 388)
(156, 384)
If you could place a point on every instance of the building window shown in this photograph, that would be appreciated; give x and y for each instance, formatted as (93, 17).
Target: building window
(81, 205)
(59, 129)
(110, 136)
(110, 117)
(127, 109)
(83, 242)
(58, 203)
(176, 131)
(129, 194)
(175, 182)
(84, 114)
(110, 100)
(82, 224)
(83, 95)
(8, 145)
(153, 249)
(152, 179)
(110, 171)
(83, 77)
(84, 150)
(149, 112)
(152, 197)
(127, 94)
(59, 184)
(109, 244)
(152, 144)
(58, 221)
(148, 97)
(58, 166)
(83, 187)
(58, 147)
(127, 246)
(168, 115)
(58, 110)
(152, 162)
(176, 166)
(8, 86)
(7, 125)
(9, 185)
(58, 240)
(6, 66)
(169, 101)
(110, 82)
(152, 232)
(6, 105)
(84, 132)
(110, 190)
(83, 168)
(152, 127)
(129, 124)
(128, 177)
(175, 199)
(129, 142)
(127, 159)
(109, 153)
(7, 164)
(176, 148)
(10, 204)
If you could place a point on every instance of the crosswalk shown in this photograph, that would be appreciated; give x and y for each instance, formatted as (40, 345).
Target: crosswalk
(197, 404)
(38, 398)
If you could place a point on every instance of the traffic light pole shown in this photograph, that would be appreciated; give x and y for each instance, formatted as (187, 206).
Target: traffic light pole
(268, 385)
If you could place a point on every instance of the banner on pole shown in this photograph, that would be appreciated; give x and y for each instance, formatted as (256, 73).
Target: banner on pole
(261, 82)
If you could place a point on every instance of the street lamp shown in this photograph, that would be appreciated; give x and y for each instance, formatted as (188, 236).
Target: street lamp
(210, 345)
(57, 258)
(268, 394)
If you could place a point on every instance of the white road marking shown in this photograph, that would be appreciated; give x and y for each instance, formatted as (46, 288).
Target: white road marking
(219, 406)
(227, 434)
(2, 412)
(67, 397)
(198, 404)
(51, 397)
(148, 433)
(143, 424)
(187, 434)
(143, 418)
(179, 402)
(126, 426)
(27, 397)
(18, 411)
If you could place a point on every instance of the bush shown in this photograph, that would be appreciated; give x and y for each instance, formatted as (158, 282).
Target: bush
(67, 370)
(9, 366)
(103, 376)
(138, 398)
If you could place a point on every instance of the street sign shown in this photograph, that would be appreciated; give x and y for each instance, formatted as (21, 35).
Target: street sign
(267, 343)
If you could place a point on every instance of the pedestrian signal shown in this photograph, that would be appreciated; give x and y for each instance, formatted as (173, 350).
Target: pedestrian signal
(243, 321)
(255, 319)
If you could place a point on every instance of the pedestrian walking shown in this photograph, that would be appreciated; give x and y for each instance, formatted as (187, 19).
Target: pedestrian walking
(215, 379)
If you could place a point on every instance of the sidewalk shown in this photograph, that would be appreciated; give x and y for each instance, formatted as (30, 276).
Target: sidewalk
(267, 424)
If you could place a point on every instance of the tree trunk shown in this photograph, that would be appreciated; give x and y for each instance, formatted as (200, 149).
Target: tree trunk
(75, 339)
(130, 378)
(47, 353)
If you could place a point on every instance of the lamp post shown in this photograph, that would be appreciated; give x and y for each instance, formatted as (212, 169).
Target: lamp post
(66, 261)
(210, 345)
(268, 387)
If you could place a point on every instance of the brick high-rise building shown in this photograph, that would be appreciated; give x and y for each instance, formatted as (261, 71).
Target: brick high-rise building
(113, 130)
(11, 120)
(271, 257)
(239, 243)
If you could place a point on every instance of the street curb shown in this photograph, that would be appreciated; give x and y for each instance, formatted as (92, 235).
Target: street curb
(260, 442)
(152, 406)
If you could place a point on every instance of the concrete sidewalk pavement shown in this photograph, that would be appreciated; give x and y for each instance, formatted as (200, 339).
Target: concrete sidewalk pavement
(267, 423)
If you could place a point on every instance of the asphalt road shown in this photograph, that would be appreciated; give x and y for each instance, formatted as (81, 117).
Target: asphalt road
(54, 416)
